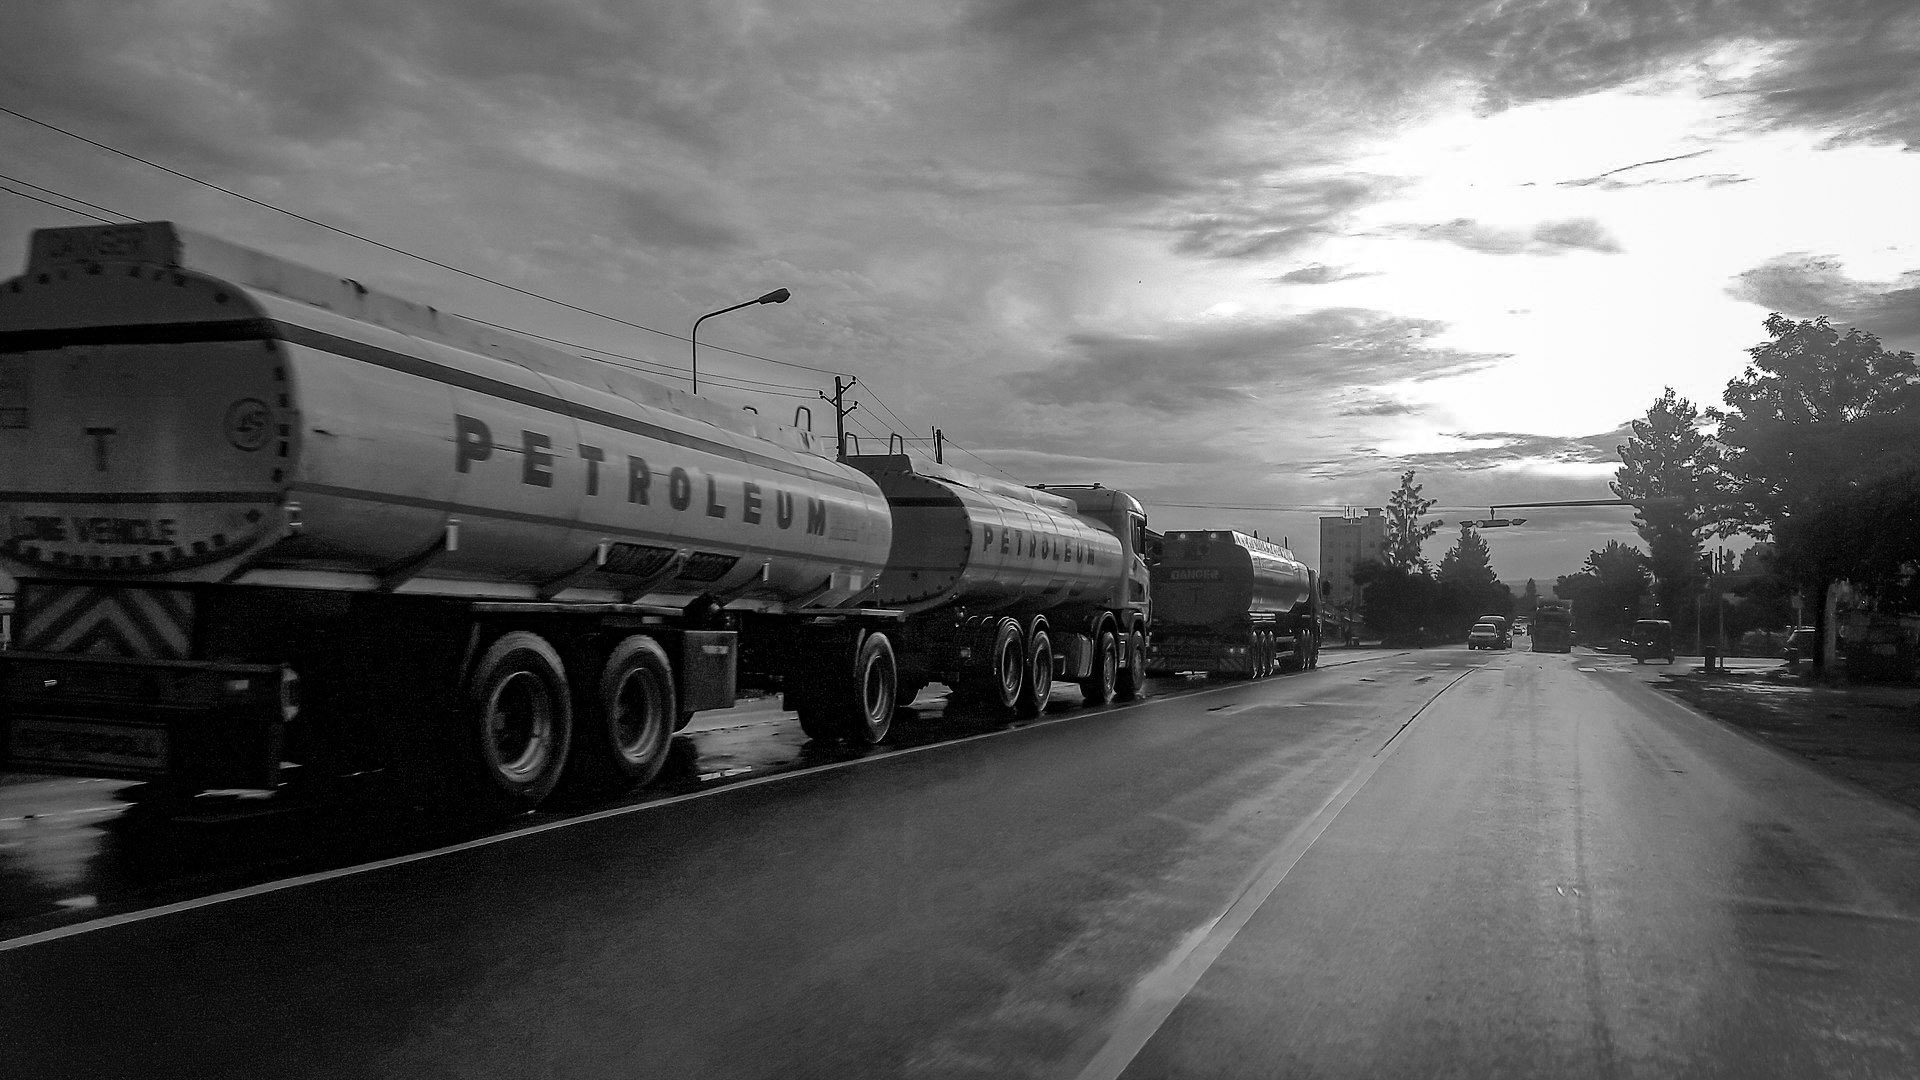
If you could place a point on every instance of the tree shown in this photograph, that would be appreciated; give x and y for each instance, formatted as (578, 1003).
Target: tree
(1468, 586)
(1606, 593)
(1822, 448)
(1406, 533)
(1670, 469)
(1814, 410)
(1395, 601)
(1529, 599)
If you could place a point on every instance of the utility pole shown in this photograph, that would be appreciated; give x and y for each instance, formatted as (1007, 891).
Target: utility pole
(840, 412)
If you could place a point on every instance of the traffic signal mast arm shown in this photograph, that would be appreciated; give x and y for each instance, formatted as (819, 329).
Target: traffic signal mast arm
(1494, 521)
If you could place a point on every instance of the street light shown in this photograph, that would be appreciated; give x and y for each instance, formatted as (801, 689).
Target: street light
(777, 296)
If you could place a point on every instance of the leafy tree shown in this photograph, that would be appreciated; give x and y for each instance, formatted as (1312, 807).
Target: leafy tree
(1468, 586)
(1822, 447)
(1606, 593)
(1406, 533)
(1529, 599)
(1671, 469)
(1397, 602)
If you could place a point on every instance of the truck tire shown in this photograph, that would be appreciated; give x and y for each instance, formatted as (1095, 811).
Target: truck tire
(855, 704)
(623, 727)
(1036, 688)
(515, 718)
(1098, 688)
(874, 692)
(1132, 679)
(1268, 652)
(1006, 671)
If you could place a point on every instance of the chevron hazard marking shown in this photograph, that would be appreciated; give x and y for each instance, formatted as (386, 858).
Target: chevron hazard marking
(153, 624)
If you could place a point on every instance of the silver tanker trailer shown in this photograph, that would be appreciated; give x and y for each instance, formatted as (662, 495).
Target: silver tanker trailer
(1007, 587)
(1232, 604)
(263, 518)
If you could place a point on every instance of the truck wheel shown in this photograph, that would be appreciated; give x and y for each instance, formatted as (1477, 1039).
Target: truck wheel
(1036, 689)
(1269, 660)
(1098, 688)
(1132, 679)
(624, 729)
(514, 721)
(1009, 659)
(875, 688)
(1313, 651)
(856, 703)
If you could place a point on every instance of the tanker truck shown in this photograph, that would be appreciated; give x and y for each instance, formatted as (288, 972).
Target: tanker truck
(268, 523)
(1226, 603)
(1005, 588)
(1552, 627)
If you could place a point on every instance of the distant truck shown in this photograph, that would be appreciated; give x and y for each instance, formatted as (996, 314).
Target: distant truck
(1227, 603)
(1552, 629)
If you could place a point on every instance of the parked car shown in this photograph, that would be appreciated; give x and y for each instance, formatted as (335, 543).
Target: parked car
(1485, 635)
(1800, 644)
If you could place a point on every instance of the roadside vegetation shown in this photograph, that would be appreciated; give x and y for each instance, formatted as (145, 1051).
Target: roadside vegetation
(1813, 453)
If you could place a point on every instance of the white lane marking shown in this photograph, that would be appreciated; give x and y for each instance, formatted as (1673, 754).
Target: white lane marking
(264, 888)
(81, 811)
(1162, 990)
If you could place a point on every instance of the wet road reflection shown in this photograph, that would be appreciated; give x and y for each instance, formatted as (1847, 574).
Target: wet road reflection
(75, 849)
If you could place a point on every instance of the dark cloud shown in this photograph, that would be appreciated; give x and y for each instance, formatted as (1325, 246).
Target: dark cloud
(1807, 286)
(329, 69)
(1180, 374)
(1546, 238)
(1509, 448)
(1853, 70)
(1379, 406)
(1617, 180)
(1283, 216)
(1320, 274)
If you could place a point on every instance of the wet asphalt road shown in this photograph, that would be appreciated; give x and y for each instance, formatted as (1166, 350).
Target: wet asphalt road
(1438, 864)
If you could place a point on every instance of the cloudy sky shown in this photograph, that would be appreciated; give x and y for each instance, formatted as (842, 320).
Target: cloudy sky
(1248, 259)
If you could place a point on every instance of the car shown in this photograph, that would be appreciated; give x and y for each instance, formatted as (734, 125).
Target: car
(1485, 635)
(1651, 638)
(1800, 643)
(1498, 622)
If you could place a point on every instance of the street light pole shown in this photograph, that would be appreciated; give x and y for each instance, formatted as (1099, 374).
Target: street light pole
(777, 296)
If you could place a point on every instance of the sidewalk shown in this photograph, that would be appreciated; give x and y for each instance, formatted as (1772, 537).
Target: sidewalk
(1867, 733)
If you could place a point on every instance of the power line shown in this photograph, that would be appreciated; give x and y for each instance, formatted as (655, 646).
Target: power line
(985, 462)
(55, 205)
(389, 247)
(646, 367)
(649, 367)
(66, 197)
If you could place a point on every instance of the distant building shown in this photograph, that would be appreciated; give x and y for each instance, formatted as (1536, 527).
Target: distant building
(1345, 542)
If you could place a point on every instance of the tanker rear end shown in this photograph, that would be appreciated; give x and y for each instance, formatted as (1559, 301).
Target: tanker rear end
(1229, 603)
